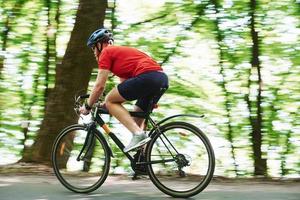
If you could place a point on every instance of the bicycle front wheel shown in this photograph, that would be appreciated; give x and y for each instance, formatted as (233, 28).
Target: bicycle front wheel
(85, 173)
(181, 159)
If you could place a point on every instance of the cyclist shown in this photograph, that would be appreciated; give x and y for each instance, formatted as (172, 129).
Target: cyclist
(141, 78)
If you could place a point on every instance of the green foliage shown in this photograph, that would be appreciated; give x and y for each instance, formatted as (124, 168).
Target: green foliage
(205, 48)
(185, 90)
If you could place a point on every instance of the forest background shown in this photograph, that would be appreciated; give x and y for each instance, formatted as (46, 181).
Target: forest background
(235, 61)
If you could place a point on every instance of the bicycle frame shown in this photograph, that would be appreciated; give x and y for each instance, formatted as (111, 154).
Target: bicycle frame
(97, 118)
(96, 115)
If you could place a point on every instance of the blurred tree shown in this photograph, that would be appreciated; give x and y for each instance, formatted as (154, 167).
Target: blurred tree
(220, 37)
(255, 106)
(51, 34)
(71, 76)
(9, 14)
(30, 100)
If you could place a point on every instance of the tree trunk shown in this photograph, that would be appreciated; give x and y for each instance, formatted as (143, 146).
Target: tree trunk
(71, 76)
(260, 167)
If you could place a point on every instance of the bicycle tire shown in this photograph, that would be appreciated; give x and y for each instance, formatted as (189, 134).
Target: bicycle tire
(160, 180)
(72, 142)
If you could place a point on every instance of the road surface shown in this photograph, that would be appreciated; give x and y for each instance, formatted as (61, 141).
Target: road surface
(42, 187)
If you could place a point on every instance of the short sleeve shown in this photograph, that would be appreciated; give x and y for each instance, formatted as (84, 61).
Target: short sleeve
(104, 60)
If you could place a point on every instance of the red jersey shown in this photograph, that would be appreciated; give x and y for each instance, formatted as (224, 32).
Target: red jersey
(126, 62)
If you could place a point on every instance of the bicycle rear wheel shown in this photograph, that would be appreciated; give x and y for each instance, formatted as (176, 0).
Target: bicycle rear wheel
(84, 174)
(182, 159)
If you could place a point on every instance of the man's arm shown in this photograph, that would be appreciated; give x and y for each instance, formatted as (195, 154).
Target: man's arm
(99, 86)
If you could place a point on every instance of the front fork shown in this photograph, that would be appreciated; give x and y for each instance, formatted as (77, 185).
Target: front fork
(89, 143)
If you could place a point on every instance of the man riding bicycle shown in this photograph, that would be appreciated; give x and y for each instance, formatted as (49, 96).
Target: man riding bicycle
(141, 78)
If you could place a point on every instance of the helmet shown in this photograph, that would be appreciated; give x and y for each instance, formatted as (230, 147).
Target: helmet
(100, 35)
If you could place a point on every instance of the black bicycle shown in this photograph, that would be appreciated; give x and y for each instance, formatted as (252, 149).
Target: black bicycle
(179, 159)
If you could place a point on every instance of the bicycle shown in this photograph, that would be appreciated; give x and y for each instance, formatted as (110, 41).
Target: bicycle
(179, 158)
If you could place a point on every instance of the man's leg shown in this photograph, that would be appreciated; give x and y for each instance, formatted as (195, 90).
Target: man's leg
(113, 102)
(139, 121)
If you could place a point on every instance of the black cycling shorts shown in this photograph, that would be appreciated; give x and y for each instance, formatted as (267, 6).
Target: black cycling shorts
(143, 88)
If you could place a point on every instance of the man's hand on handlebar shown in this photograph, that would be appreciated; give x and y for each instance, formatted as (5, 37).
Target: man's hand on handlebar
(84, 110)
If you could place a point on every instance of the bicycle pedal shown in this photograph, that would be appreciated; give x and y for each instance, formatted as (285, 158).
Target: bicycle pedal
(135, 177)
(141, 172)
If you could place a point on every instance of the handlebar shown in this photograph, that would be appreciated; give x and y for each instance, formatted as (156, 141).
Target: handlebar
(79, 101)
(85, 96)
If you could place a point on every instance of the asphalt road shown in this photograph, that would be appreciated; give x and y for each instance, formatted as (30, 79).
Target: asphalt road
(37, 187)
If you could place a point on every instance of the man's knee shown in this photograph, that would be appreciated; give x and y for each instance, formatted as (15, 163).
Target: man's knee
(114, 97)
(111, 100)
(108, 102)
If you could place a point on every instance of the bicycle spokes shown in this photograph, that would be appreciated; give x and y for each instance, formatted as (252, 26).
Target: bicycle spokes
(179, 159)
